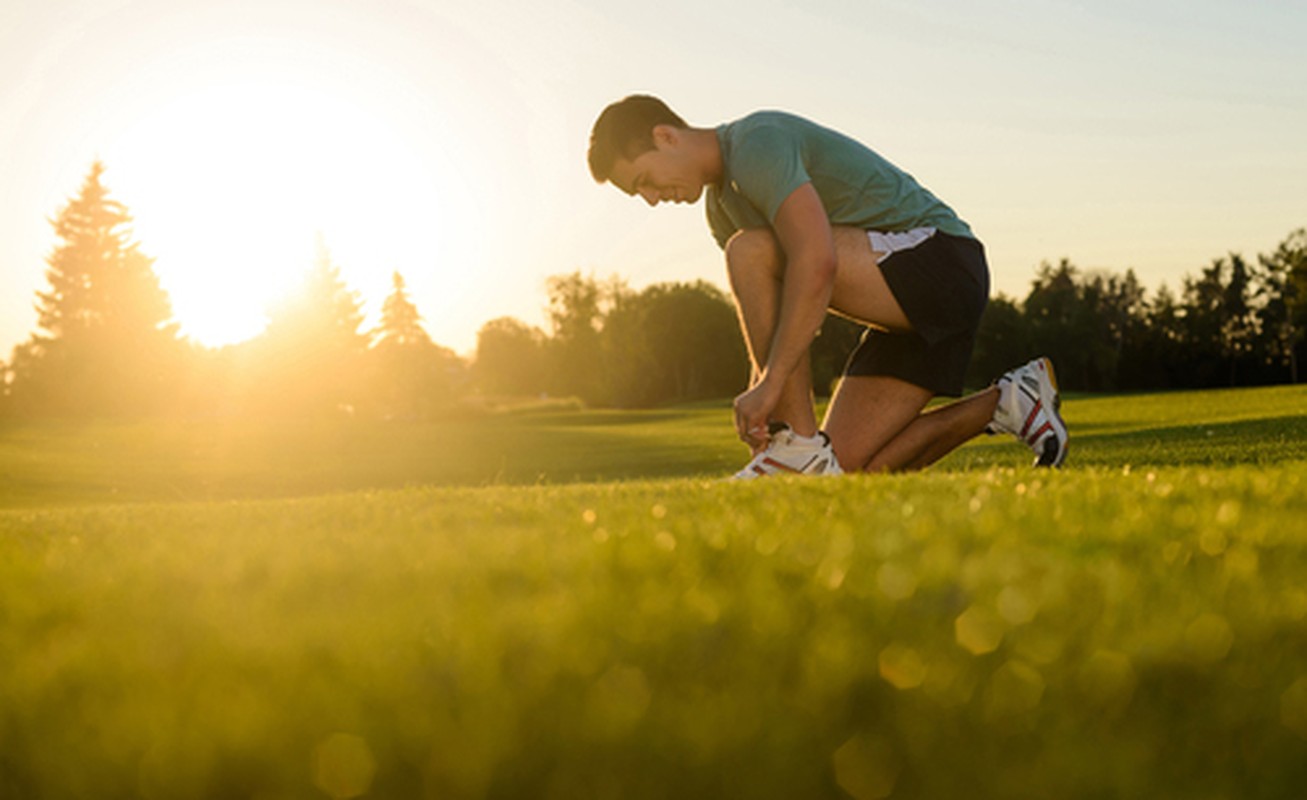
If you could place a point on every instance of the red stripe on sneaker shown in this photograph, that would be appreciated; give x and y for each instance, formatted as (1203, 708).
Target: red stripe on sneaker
(771, 462)
(1030, 419)
(1033, 438)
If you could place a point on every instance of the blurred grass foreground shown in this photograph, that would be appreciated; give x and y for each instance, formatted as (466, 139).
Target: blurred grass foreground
(304, 618)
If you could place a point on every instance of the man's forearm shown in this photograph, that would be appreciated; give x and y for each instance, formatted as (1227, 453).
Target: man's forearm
(805, 296)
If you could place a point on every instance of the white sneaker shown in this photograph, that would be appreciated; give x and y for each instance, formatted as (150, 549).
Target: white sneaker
(790, 454)
(1028, 408)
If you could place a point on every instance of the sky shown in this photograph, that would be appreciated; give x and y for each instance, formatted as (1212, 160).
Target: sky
(446, 139)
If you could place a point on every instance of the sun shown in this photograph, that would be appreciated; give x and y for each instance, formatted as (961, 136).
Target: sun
(231, 184)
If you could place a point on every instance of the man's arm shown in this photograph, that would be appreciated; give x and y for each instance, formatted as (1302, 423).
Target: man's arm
(804, 233)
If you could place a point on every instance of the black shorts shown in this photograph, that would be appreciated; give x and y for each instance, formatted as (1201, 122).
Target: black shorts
(942, 286)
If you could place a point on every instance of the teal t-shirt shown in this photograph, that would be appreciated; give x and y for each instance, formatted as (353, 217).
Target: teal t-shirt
(769, 154)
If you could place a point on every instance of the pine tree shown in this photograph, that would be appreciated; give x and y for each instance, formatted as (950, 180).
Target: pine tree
(309, 358)
(324, 315)
(109, 344)
(411, 376)
(401, 324)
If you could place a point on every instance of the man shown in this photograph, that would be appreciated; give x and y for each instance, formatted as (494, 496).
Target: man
(811, 220)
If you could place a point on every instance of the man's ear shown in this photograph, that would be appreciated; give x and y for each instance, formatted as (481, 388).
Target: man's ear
(666, 135)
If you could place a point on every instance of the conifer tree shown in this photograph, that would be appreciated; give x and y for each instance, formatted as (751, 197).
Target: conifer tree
(401, 324)
(99, 279)
(109, 345)
(324, 315)
(310, 356)
(411, 376)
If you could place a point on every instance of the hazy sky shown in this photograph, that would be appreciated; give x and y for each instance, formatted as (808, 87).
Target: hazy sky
(446, 140)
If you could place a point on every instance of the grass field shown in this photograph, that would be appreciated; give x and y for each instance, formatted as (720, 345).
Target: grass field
(573, 605)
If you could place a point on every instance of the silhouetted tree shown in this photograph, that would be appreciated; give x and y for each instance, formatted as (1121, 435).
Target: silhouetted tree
(1113, 316)
(1218, 321)
(1239, 331)
(1201, 310)
(1282, 294)
(401, 323)
(109, 345)
(1091, 324)
(1154, 352)
(410, 376)
(1002, 342)
(309, 360)
(1056, 316)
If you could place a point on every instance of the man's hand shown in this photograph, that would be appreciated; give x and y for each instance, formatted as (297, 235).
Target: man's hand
(752, 413)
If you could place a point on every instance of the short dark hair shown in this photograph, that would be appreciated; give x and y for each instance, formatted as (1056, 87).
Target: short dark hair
(625, 130)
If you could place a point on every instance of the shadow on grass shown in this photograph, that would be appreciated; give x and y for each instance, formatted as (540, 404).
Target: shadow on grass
(1259, 441)
(1264, 441)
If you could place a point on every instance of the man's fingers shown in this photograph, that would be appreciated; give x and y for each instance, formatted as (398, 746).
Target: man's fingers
(755, 436)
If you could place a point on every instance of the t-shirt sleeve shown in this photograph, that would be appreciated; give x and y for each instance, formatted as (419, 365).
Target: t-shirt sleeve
(767, 166)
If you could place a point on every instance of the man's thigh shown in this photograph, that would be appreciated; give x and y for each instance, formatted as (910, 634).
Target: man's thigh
(867, 412)
(860, 290)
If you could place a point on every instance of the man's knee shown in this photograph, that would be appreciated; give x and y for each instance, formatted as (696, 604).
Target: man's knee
(752, 252)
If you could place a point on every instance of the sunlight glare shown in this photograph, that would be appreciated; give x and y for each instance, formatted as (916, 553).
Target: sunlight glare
(229, 185)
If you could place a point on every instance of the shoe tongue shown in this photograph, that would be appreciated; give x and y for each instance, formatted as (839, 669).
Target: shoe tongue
(781, 434)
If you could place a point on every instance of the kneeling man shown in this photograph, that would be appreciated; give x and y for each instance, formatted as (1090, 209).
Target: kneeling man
(813, 221)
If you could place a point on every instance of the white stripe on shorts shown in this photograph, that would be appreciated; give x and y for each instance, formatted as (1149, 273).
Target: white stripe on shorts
(887, 244)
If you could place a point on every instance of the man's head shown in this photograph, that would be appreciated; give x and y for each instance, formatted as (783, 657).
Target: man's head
(643, 147)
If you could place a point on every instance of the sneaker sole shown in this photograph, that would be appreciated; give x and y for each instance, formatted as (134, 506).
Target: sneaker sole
(1055, 447)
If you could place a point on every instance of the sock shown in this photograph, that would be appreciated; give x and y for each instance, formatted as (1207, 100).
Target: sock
(1004, 391)
(816, 440)
(1004, 395)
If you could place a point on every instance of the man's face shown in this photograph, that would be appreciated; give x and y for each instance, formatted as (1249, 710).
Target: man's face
(665, 174)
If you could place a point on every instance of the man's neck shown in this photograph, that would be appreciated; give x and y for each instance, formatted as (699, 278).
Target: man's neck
(708, 152)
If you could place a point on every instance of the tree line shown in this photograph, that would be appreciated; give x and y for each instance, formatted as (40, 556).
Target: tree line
(108, 345)
(1236, 323)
